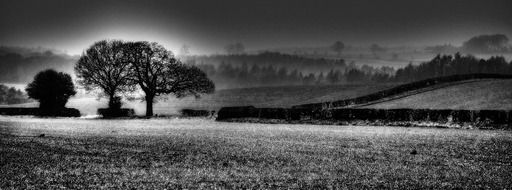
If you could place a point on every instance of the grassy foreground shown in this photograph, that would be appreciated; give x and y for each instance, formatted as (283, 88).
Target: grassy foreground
(200, 153)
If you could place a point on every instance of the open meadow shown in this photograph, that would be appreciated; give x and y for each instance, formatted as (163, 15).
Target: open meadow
(201, 153)
(486, 94)
(283, 96)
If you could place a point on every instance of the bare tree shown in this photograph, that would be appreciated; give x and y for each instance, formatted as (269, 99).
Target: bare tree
(104, 66)
(157, 72)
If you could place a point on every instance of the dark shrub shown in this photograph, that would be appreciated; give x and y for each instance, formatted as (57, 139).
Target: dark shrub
(273, 113)
(52, 89)
(237, 112)
(65, 112)
(121, 112)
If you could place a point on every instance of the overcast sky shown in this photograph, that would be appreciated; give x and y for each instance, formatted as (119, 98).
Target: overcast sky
(207, 26)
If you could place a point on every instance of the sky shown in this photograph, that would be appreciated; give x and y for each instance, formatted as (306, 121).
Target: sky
(207, 26)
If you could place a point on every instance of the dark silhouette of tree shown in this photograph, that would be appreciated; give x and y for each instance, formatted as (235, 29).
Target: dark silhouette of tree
(309, 79)
(338, 47)
(487, 44)
(157, 72)
(52, 89)
(104, 66)
(356, 75)
(333, 77)
(320, 79)
(444, 65)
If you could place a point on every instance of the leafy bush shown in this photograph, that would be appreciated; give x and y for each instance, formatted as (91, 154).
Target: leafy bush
(52, 89)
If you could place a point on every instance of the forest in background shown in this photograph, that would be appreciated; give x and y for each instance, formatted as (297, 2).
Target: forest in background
(12, 95)
(248, 71)
(238, 69)
(20, 65)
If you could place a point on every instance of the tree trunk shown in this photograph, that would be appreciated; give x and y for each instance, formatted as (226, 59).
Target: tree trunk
(149, 105)
(110, 102)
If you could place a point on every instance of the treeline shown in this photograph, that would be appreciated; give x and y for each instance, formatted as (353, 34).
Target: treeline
(229, 76)
(278, 69)
(444, 65)
(275, 59)
(20, 67)
(235, 74)
(11, 95)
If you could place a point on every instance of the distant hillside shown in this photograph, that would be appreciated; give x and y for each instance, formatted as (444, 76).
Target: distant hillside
(21, 65)
(404, 90)
(304, 64)
(489, 94)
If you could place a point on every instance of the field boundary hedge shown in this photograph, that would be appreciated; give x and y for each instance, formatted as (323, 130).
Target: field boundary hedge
(400, 89)
(66, 112)
(298, 115)
(110, 113)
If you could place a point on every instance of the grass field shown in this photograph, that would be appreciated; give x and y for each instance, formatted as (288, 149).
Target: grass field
(284, 96)
(492, 94)
(201, 153)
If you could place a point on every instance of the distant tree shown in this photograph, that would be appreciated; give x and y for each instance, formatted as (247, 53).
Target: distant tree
(52, 89)
(235, 49)
(11, 95)
(320, 79)
(380, 77)
(487, 44)
(356, 75)
(157, 72)
(338, 47)
(333, 76)
(443, 65)
(309, 79)
(104, 66)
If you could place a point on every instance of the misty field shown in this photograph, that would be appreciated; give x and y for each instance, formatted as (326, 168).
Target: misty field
(487, 94)
(196, 153)
(282, 96)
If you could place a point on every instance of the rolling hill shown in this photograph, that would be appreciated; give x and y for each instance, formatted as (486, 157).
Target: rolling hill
(486, 94)
(499, 91)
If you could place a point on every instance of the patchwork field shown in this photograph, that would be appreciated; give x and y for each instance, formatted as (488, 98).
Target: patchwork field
(201, 153)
